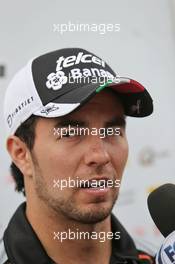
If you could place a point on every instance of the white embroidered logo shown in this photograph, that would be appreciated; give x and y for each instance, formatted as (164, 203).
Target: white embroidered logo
(56, 80)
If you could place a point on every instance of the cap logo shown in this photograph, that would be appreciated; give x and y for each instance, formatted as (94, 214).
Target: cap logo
(18, 109)
(49, 108)
(74, 60)
(56, 80)
(136, 108)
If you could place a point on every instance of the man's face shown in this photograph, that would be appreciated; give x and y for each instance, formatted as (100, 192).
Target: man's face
(81, 157)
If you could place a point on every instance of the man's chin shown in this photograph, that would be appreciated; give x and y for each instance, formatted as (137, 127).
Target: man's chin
(93, 216)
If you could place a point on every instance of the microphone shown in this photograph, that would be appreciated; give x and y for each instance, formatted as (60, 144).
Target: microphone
(161, 205)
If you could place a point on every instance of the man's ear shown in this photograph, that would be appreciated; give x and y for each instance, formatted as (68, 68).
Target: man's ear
(20, 154)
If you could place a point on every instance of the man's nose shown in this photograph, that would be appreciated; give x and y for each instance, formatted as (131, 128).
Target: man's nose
(97, 151)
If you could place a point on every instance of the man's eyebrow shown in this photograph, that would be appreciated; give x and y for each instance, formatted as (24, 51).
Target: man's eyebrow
(69, 122)
(116, 121)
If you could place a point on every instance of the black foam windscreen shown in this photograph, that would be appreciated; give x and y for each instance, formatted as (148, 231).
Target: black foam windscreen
(161, 205)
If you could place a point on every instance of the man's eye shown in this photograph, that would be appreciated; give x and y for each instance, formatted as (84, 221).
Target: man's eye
(71, 133)
(112, 131)
(68, 134)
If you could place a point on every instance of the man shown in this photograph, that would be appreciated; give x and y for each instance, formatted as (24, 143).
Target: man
(65, 117)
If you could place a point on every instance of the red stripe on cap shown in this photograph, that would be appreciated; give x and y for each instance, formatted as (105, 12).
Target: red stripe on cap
(145, 257)
(137, 85)
(130, 87)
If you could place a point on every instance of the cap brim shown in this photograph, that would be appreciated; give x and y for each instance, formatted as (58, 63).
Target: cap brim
(135, 98)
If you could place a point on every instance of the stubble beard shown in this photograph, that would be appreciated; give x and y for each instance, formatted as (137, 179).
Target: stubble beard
(68, 207)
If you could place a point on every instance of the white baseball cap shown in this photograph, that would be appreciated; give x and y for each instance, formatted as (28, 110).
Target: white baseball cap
(56, 83)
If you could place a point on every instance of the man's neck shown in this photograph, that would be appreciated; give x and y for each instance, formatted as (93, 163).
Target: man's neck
(87, 242)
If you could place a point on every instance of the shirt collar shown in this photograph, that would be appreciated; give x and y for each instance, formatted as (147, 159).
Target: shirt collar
(21, 242)
(124, 248)
(23, 246)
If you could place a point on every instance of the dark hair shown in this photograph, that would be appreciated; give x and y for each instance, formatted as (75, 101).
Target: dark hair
(26, 132)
